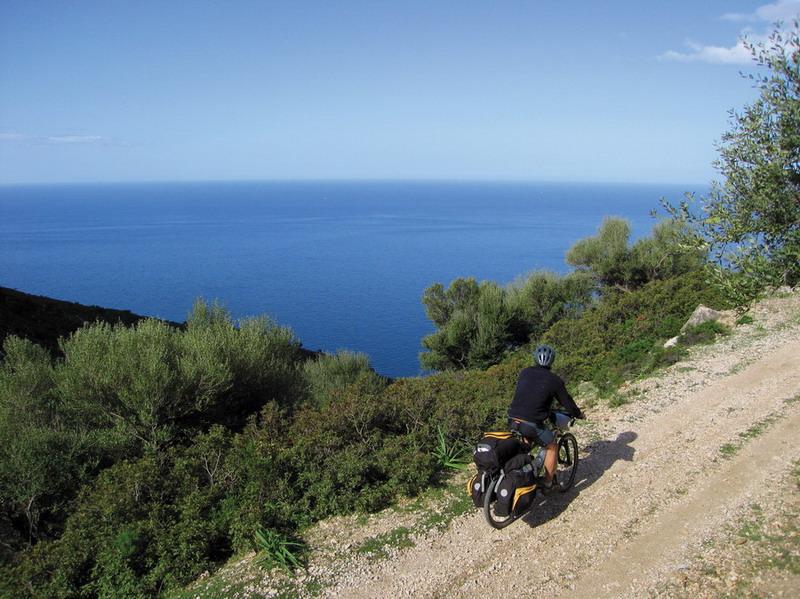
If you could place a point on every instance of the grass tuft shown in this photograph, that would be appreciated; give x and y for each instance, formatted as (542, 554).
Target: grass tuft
(730, 449)
(277, 551)
(617, 400)
(449, 455)
(378, 547)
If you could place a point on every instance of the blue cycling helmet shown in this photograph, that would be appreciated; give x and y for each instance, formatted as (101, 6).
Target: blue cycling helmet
(544, 355)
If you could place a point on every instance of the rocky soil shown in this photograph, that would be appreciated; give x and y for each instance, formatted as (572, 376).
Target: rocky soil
(668, 480)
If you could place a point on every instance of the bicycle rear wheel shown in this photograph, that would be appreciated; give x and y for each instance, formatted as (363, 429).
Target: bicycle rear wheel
(567, 461)
(489, 502)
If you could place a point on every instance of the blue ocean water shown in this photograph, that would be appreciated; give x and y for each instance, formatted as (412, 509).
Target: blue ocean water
(342, 263)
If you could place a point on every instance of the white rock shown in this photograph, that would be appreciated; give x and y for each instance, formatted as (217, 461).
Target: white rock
(672, 342)
(700, 315)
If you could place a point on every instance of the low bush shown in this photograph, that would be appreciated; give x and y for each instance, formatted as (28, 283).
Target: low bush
(329, 374)
(136, 406)
(704, 333)
(158, 520)
(622, 336)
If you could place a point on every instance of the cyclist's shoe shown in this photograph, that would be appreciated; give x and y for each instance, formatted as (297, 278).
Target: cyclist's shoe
(549, 489)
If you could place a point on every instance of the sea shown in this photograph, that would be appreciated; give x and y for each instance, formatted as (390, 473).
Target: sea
(344, 264)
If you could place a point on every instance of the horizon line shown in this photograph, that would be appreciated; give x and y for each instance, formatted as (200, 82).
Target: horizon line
(347, 180)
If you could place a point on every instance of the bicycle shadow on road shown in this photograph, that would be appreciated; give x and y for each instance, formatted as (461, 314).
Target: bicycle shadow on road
(601, 456)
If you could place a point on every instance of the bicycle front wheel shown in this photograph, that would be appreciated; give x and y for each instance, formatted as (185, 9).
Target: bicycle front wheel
(567, 461)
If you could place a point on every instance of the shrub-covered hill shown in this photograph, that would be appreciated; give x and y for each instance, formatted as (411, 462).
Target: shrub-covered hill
(44, 320)
(139, 457)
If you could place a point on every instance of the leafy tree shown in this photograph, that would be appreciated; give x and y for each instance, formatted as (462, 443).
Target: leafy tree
(542, 298)
(441, 303)
(615, 264)
(491, 321)
(473, 322)
(663, 255)
(478, 323)
(750, 222)
(605, 255)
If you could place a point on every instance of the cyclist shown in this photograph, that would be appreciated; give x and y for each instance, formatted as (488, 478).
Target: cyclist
(536, 388)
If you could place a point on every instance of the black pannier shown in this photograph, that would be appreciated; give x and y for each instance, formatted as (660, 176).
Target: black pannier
(495, 449)
(516, 487)
(492, 453)
(477, 485)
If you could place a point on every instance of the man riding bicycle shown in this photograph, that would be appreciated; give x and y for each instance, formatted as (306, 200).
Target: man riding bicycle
(530, 408)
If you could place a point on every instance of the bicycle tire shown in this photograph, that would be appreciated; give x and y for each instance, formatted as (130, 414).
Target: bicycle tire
(493, 520)
(568, 459)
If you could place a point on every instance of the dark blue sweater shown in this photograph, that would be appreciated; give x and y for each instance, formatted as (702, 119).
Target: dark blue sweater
(536, 388)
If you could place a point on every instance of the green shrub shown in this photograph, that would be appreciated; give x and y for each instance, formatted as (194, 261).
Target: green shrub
(149, 382)
(605, 255)
(621, 337)
(704, 333)
(158, 522)
(126, 379)
(122, 415)
(43, 460)
(478, 323)
(148, 517)
(473, 325)
(542, 298)
(664, 255)
(234, 370)
(609, 258)
(330, 373)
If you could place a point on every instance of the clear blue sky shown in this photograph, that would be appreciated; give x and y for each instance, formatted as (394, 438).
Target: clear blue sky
(542, 90)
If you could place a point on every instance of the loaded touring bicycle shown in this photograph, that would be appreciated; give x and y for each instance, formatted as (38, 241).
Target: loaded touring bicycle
(508, 476)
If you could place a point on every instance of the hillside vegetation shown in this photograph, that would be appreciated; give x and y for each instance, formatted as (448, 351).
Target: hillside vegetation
(44, 320)
(143, 456)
